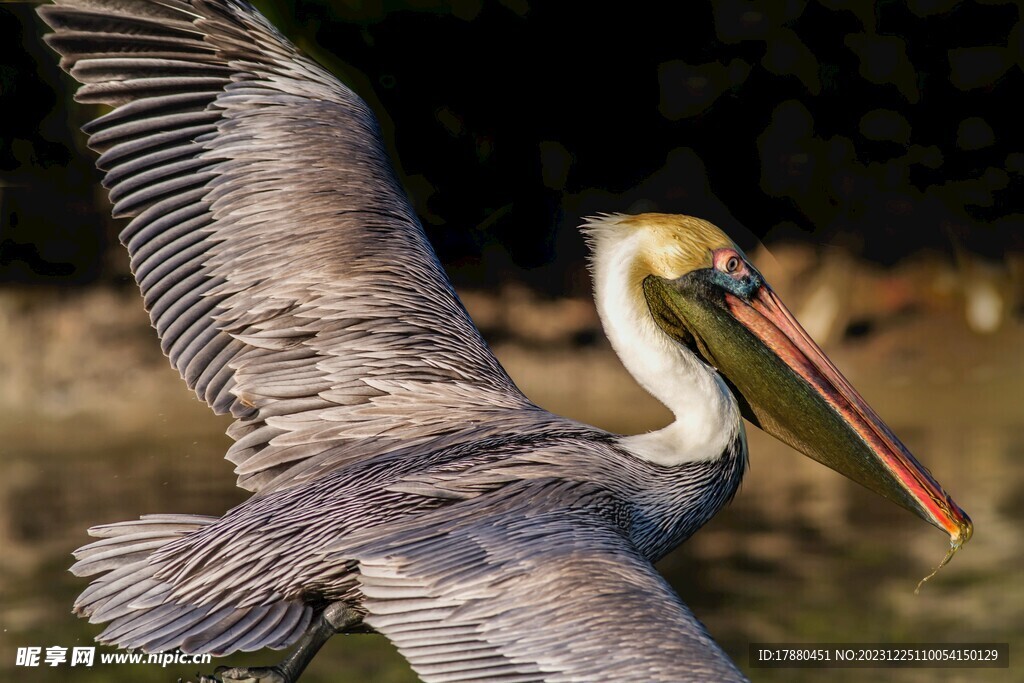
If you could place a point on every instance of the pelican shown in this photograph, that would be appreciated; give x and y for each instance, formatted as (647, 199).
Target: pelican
(400, 481)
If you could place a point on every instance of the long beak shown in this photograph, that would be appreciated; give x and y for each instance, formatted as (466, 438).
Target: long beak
(788, 387)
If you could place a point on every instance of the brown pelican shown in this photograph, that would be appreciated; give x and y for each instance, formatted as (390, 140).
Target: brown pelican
(401, 482)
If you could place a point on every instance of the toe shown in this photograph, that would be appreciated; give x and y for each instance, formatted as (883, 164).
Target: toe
(261, 674)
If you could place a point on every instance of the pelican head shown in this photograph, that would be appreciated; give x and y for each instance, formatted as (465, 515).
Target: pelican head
(690, 288)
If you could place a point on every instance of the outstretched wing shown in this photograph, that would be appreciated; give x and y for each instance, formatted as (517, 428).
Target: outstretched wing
(281, 264)
(521, 589)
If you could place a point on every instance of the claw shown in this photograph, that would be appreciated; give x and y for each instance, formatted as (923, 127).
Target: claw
(262, 674)
(203, 678)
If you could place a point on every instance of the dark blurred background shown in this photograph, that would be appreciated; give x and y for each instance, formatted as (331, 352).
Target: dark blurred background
(885, 128)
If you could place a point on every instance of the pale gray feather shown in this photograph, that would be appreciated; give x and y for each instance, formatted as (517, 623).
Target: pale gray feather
(282, 266)
(530, 589)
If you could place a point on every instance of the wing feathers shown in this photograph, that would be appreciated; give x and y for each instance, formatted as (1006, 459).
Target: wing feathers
(140, 605)
(269, 233)
(472, 596)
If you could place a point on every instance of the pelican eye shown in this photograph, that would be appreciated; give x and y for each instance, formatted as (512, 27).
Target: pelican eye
(732, 272)
(729, 262)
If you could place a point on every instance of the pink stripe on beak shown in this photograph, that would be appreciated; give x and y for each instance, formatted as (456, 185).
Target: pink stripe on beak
(767, 318)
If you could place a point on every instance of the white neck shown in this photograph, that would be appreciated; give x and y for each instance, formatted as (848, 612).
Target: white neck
(707, 417)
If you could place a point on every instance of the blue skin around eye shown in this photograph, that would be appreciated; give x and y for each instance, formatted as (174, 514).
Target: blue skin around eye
(744, 287)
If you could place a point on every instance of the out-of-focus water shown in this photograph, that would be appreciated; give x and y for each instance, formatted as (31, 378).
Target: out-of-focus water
(800, 555)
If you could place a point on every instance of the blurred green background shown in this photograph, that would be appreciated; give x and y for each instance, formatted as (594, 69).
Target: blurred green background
(875, 148)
